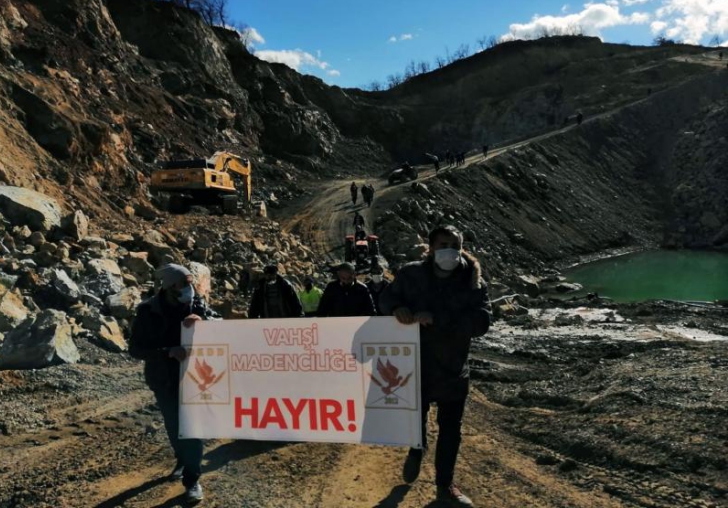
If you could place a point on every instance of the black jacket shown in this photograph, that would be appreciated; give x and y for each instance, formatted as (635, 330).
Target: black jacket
(340, 301)
(376, 291)
(459, 305)
(291, 304)
(157, 328)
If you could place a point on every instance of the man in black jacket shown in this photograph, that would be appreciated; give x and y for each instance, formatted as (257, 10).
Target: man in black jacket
(447, 297)
(346, 296)
(155, 338)
(274, 297)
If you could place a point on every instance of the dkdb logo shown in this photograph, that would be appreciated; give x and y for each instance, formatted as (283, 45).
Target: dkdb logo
(390, 376)
(206, 379)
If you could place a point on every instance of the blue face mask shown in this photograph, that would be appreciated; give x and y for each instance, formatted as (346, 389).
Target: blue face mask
(186, 294)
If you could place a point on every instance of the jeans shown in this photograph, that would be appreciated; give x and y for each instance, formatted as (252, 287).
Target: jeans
(188, 452)
(449, 422)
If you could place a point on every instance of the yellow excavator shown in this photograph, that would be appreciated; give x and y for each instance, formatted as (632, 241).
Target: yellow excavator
(219, 180)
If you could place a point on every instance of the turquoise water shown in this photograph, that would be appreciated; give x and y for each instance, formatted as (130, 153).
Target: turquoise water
(669, 275)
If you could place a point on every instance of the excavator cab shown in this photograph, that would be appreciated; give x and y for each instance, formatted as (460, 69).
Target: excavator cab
(221, 180)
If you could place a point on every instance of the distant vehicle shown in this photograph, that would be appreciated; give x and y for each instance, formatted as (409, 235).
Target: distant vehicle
(362, 249)
(219, 180)
(404, 174)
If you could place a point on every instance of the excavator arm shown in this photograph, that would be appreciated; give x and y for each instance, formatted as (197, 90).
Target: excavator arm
(231, 163)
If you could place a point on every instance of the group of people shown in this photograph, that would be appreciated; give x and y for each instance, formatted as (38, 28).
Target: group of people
(444, 294)
(455, 158)
(367, 193)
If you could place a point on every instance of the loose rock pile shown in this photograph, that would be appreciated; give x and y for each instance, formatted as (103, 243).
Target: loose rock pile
(59, 282)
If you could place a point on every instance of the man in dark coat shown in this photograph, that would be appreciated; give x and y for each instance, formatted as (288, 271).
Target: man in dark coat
(447, 297)
(376, 284)
(346, 296)
(155, 338)
(354, 192)
(274, 297)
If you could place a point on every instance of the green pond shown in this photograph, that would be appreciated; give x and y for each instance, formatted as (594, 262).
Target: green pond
(662, 274)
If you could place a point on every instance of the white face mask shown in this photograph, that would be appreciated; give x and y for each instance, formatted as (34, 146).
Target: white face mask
(447, 259)
(376, 279)
(186, 295)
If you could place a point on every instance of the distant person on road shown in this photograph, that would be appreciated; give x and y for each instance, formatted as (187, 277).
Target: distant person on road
(155, 338)
(579, 118)
(485, 151)
(310, 297)
(358, 221)
(274, 297)
(449, 158)
(371, 195)
(376, 284)
(446, 296)
(346, 296)
(354, 192)
(720, 56)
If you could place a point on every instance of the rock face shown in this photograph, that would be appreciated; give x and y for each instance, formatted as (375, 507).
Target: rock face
(202, 277)
(24, 207)
(40, 342)
(123, 304)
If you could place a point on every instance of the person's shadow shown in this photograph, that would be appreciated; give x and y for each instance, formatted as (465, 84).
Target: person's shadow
(395, 497)
(216, 459)
(379, 389)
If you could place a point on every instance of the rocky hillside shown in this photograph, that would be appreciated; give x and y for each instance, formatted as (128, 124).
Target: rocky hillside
(644, 175)
(95, 92)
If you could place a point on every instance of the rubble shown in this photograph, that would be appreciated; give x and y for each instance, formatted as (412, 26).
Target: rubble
(25, 207)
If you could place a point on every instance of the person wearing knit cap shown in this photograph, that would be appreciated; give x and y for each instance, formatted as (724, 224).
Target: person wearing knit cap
(155, 338)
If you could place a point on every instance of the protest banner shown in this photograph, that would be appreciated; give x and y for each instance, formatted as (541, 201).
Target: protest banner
(342, 380)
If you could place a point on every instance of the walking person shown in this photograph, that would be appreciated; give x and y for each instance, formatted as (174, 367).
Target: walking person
(274, 297)
(155, 338)
(310, 297)
(485, 151)
(376, 284)
(446, 296)
(354, 192)
(346, 296)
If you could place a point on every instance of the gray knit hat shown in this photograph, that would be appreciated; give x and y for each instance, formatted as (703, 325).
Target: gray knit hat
(171, 274)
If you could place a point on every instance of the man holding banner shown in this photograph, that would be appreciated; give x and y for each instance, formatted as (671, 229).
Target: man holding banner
(155, 339)
(447, 297)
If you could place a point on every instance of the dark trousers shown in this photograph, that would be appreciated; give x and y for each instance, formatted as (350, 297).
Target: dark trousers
(449, 422)
(188, 452)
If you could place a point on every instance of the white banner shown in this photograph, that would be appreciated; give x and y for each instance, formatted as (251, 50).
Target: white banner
(340, 380)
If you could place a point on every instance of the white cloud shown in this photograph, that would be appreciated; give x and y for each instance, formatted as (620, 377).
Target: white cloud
(694, 20)
(334, 73)
(564, 8)
(629, 3)
(403, 37)
(296, 59)
(657, 26)
(590, 21)
(249, 35)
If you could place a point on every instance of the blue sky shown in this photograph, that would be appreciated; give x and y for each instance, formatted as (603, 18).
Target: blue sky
(349, 43)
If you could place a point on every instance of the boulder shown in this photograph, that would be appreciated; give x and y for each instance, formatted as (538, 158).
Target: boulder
(25, 207)
(568, 287)
(529, 285)
(76, 225)
(95, 242)
(104, 277)
(203, 279)
(64, 286)
(123, 304)
(36, 239)
(39, 342)
(137, 264)
(12, 310)
(105, 332)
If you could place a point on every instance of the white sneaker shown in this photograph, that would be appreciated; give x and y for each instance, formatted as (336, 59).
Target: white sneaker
(194, 494)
